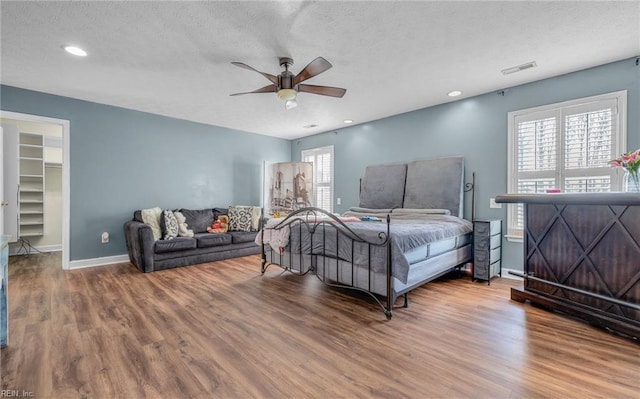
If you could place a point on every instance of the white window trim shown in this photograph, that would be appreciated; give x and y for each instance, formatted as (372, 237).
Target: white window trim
(619, 145)
(315, 151)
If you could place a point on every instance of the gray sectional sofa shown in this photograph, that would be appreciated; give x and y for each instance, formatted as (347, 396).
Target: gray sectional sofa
(149, 255)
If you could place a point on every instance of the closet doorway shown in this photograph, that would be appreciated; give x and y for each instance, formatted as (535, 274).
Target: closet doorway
(36, 183)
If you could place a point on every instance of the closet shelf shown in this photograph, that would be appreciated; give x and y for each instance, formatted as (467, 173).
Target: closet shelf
(32, 184)
(34, 234)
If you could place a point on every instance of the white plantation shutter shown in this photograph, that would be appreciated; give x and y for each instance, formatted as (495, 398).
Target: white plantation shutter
(322, 159)
(565, 146)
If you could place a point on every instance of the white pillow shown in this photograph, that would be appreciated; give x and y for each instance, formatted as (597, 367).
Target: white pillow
(151, 217)
(256, 211)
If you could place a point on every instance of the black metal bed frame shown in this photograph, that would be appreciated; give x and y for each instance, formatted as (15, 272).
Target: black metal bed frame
(313, 218)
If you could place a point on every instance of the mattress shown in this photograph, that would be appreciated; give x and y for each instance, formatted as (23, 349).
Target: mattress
(365, 243)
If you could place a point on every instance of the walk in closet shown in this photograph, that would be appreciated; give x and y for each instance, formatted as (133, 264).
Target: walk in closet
(31, 185)
(32, 177)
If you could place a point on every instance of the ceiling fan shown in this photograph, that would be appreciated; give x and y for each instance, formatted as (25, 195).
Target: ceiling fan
(287, 85)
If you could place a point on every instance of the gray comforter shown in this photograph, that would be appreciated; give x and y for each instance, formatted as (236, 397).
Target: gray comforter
(368, 247)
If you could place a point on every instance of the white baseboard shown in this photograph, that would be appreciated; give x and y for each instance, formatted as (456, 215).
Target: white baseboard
(14, 248)
(106, 260)
(505, 274)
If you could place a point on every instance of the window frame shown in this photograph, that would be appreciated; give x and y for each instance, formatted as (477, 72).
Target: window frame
(560, 110)
(316, 185)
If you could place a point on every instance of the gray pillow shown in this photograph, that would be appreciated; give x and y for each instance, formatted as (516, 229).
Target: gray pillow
(198, 220)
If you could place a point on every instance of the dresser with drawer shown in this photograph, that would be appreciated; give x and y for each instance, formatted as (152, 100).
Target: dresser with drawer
(487, 249)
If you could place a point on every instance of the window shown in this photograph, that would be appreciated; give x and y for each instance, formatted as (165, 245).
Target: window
(322, 159)
(565, 146)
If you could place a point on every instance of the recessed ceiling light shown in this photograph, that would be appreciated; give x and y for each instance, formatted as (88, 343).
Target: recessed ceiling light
(311, 126)
(348, 121)
(75, 51)
(454, 93)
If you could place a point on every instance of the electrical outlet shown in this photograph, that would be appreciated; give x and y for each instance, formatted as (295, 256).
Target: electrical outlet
(105, 237)
(338, 201)
(493, 204)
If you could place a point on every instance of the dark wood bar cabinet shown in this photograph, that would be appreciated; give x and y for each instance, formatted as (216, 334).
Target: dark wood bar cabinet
(582, 256)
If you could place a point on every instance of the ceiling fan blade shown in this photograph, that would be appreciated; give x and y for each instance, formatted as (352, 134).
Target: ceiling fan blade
(272, 78)
(314, 68)
(322, 90)
(266, 89)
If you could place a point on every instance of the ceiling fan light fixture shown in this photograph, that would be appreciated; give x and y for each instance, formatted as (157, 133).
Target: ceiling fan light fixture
(287, 94)
(290, 104)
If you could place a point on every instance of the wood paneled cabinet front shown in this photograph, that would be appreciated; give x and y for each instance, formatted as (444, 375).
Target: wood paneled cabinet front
(487, 249)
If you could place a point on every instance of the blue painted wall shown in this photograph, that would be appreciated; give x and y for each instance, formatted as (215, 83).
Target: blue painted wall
(474, 127)
(123, 160)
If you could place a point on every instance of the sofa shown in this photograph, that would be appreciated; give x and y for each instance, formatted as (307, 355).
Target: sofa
(150, 254)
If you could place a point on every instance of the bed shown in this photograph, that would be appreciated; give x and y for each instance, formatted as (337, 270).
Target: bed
(407, 231)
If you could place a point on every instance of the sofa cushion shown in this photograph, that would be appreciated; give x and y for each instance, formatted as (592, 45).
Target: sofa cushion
(137, 216)
(198, 220)
(176, 244)
(206, 240)
(219, 211)
(242, 236)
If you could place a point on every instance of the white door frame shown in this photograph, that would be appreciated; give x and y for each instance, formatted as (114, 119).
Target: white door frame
(2, 182)
(66, 207)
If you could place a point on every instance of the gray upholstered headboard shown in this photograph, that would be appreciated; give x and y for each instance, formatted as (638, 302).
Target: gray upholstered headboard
(428, 184)
(435, 183)
(382, 186)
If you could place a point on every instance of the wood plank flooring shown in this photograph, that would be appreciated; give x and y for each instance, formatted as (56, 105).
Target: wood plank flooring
(221, 330)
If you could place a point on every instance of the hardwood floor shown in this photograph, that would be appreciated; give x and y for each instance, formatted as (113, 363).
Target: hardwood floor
(222, 330)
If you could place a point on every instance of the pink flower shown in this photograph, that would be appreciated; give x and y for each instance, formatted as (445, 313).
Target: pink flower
(629, 161)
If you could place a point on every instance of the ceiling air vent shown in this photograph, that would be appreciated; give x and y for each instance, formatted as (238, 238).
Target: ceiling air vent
(519, 68)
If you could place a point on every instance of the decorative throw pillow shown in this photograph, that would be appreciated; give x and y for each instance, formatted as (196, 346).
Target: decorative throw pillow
(169, 225)
(240, 218)
(256, 211)
(152, 217)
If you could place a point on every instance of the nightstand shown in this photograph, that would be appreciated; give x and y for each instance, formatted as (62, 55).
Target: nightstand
(487, 249)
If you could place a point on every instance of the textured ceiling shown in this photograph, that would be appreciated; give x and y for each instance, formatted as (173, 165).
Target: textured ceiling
(173, 58)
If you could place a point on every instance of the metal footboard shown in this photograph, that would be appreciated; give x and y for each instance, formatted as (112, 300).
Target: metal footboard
(312, 227)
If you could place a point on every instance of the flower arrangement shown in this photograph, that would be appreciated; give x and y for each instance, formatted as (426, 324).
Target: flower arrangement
(630, 162)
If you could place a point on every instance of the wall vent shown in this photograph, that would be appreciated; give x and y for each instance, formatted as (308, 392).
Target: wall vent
(519, 68)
